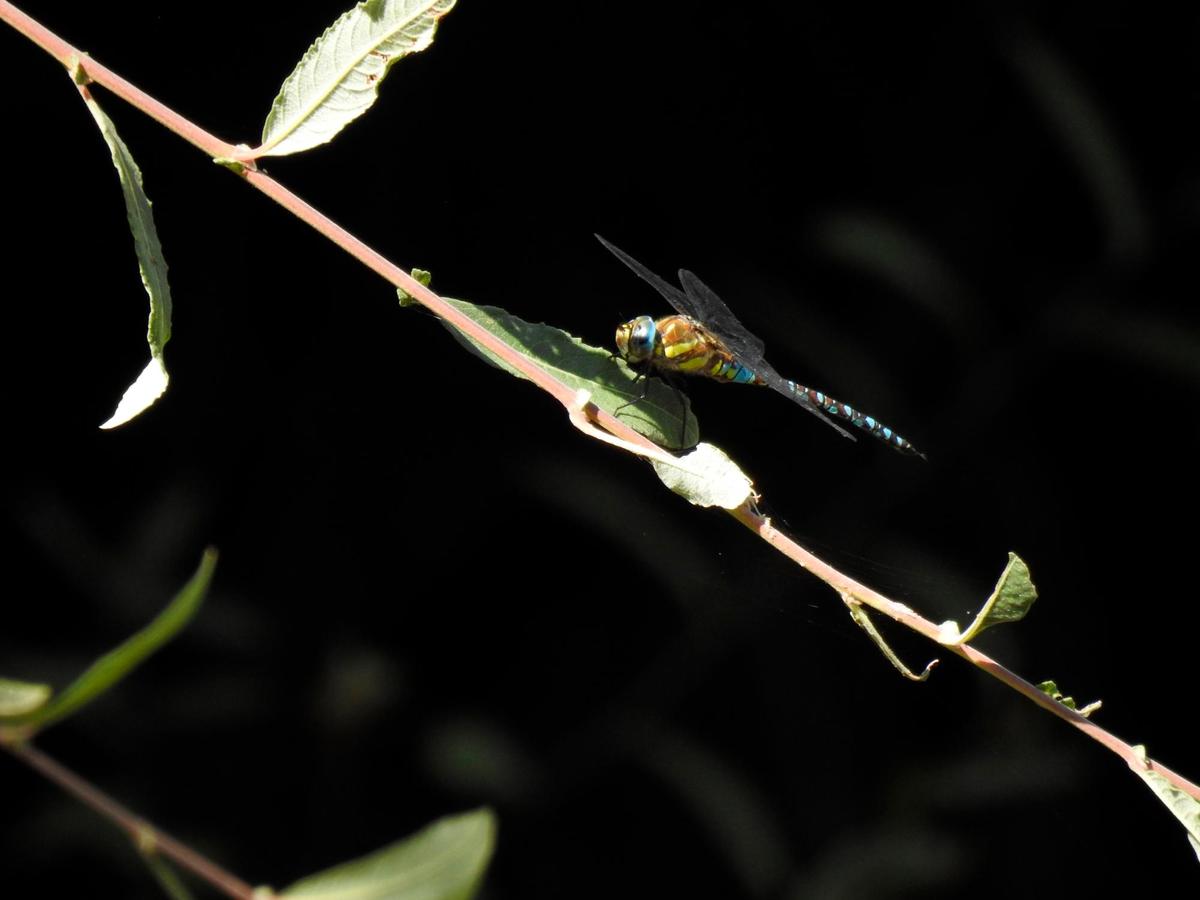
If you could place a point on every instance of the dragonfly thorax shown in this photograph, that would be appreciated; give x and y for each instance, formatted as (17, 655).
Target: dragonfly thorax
(635, 338)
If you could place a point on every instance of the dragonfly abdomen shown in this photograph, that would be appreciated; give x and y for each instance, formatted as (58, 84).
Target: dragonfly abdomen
(848, 413)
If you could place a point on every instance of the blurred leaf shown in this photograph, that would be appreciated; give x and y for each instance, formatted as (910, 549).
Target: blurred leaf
(152, 382)
(609, 381)
(116, 664)
(706, 477)
(17, 698)
(166, 876)
(1010, 602)
(1082, 128)
(338, 78)
(443, 861)
(728, 802)
(896, 253)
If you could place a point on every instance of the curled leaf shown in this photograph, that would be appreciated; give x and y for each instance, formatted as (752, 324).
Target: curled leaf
(859, 614)
(148, 386)
(1010, 602)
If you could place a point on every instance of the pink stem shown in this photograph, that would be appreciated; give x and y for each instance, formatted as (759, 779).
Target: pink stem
(144, 835)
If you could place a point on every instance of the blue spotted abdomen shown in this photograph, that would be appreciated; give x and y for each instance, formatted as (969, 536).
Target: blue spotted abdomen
(859, 420)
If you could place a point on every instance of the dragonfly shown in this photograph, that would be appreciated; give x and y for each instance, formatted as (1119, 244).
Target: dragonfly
(705, 338)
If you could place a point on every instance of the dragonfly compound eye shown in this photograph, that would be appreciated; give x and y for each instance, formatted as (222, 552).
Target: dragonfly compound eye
(642, 332)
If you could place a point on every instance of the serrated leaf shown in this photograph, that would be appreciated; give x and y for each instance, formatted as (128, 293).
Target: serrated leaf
(1010, 602)
(443, 861)
(148, 386)
(116, 664)
(338, 78)
(1183, 806)
(706, 477)
(18, 698)
(609, 381)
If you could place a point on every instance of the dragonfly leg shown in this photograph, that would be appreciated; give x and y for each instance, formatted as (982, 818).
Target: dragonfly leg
(644, 380)
(679, 395)
(673, 383)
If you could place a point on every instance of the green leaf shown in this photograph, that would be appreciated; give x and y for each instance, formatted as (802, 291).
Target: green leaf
(1010, 602)
(443, 861)
(151, 384)
(338, 79)
(116, 664)
(609, 381)
(18, 698)
(706, 477)
(1183, 806)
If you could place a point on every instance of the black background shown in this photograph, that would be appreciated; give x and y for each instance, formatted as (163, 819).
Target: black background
(978, 225)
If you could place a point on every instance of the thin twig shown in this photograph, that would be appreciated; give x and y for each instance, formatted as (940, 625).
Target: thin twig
(145, 836)
(898, 611)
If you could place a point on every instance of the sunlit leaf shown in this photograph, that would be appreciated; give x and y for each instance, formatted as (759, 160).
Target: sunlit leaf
(609, 381)
(116, 664)
(338, 79)
(706, 477)
(443, 861)
(1183, 806)
(148, 386)
(1010, 602)
(138, 397)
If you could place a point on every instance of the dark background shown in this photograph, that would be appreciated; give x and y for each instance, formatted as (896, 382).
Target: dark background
(433, 593)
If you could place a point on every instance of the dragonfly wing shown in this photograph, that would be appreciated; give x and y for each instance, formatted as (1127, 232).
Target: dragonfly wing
(670, 293)
(700, 302)
(704, 304)
(743, 344)
(773, 379)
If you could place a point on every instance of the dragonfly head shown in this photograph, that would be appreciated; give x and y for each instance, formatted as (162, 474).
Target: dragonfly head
(635, 338)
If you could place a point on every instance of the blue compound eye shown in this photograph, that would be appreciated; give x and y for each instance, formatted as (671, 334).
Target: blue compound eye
(641, 338)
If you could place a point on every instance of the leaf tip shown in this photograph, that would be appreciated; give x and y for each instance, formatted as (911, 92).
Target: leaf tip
(140, 396)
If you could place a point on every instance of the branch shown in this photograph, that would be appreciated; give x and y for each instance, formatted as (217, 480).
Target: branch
(71, 57)
(147, 838)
